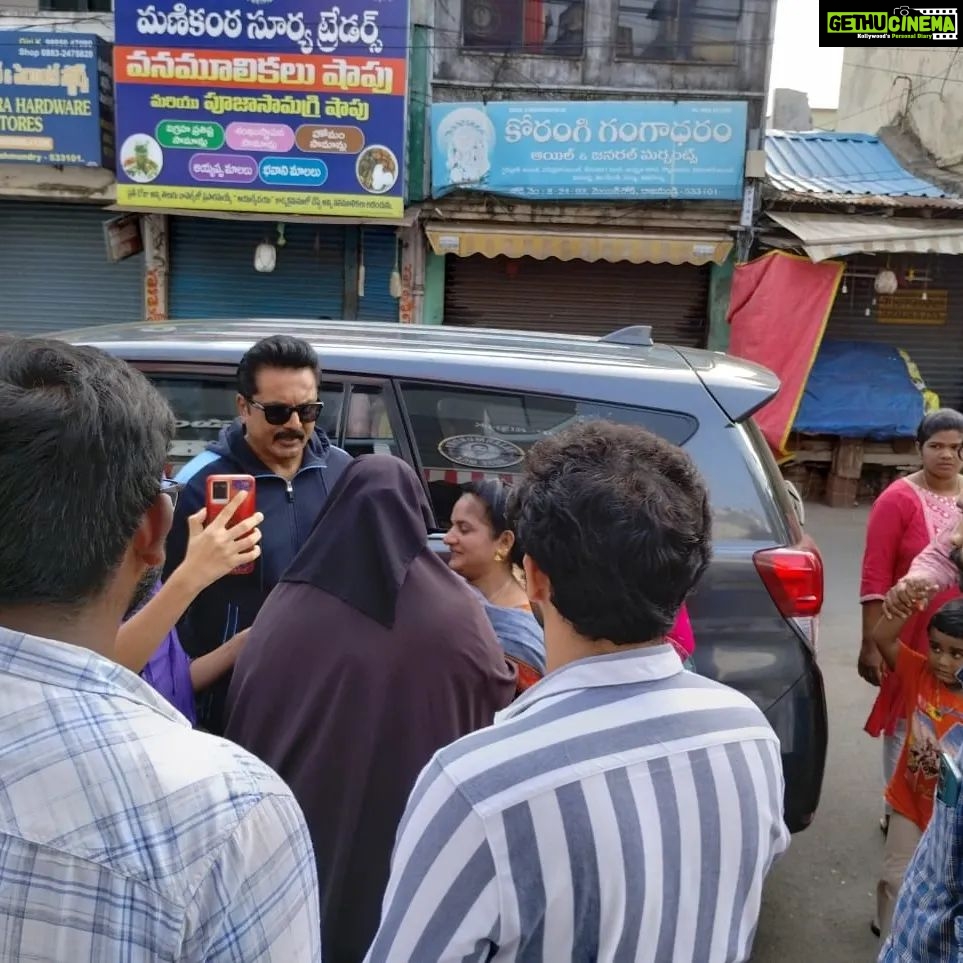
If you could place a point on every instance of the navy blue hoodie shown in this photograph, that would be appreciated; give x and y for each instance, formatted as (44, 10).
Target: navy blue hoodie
(290, 510)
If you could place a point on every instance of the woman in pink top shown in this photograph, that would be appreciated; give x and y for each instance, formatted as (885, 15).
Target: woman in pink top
(907, 516)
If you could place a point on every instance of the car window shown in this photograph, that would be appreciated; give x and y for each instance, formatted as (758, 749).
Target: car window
(368, 426)
(203, 405)
(464, 435)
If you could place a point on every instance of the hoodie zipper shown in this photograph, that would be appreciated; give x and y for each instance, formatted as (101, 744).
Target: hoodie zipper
(289, 490)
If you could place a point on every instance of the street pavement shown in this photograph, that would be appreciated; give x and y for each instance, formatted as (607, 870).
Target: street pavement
(820, 897)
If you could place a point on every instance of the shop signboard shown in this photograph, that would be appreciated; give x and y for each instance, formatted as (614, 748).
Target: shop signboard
(123, 238)
(591, 150)
(272, 106)
(56, 99)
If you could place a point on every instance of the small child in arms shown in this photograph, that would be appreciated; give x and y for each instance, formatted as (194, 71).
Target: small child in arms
(934, 723)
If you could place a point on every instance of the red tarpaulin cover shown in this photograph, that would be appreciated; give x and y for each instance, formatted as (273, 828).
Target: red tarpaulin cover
(778, 310)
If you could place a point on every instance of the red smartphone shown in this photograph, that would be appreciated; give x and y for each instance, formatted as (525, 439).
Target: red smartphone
(220, 490)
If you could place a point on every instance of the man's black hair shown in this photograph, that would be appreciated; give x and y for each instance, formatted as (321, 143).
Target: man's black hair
(948, 619)
(618, 520)
(83, 444)
(278, 351)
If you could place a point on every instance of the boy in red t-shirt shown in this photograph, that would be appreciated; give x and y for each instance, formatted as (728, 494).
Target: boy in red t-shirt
(934, 723)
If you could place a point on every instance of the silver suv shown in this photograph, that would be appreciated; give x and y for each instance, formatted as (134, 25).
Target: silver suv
(461, 404)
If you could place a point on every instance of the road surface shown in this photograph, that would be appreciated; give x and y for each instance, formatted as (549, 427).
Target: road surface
(820, 897)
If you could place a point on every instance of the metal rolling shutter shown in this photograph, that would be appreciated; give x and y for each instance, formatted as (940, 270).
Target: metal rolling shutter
(578, 297)
(213, 276)
(936, 349)
(54, 272)
(378, 248)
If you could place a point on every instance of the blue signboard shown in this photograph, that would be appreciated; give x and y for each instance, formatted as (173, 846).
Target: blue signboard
(56, 99)
(273, 106)
(591, 150)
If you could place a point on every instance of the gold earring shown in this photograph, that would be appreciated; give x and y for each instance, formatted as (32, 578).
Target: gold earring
(499, 557)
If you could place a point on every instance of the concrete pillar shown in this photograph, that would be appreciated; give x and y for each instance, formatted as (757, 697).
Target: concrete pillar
(154, 230)
(412, 302)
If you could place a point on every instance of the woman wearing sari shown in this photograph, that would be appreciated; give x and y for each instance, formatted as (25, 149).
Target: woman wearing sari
(485, 553)
(907, 516)
(367, 657)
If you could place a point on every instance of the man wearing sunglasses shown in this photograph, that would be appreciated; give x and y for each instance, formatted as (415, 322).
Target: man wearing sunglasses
(276, 439)
(124, 833)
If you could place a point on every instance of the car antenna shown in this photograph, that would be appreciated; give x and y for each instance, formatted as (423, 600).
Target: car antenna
(636, 334)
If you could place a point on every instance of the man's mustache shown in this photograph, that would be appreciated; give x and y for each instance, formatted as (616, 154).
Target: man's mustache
(289, 433)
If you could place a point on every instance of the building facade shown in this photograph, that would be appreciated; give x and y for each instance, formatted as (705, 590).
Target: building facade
(918, 90)
(173, 122)
(660, 96)
(623, 224)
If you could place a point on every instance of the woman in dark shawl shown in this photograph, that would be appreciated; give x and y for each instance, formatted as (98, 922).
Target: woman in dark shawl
(368, 657)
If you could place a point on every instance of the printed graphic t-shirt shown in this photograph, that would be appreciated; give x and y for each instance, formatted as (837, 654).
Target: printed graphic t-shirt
(934, 722)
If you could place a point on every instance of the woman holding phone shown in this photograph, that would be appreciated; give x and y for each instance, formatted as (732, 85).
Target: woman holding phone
(147, 641)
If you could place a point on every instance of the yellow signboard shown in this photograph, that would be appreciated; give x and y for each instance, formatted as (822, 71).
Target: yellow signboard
(275, 202)
(909, 307)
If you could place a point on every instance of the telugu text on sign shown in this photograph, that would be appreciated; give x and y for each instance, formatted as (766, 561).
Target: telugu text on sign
(224, 108)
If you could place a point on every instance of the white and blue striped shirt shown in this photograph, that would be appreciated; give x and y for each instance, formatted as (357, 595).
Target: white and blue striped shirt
(620, 810)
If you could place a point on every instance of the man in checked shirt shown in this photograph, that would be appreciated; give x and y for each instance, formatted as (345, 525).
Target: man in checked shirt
(124, 833)
(928, 920)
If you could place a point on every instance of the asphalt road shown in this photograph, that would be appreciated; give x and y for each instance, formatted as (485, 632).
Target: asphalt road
(820, 897)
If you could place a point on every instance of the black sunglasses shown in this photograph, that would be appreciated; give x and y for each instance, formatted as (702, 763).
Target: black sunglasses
(278, 414)
(171, 489)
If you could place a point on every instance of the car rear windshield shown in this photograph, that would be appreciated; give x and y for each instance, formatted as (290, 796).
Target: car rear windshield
(767, 465)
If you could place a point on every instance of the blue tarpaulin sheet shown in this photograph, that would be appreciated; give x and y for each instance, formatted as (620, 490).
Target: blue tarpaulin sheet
(859, 389)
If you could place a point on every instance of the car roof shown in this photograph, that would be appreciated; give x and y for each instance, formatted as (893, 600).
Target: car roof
(233, 334)
(609, 368)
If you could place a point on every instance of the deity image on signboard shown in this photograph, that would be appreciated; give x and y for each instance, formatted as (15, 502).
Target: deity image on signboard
(377, 169)
(467, 137)
(142, 158)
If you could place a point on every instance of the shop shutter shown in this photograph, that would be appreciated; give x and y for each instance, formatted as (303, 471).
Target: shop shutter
(578, 297)
(379, 261)
(54, 272)
(213, 276)
(936, 349)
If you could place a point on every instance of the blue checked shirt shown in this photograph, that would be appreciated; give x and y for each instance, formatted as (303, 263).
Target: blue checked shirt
(127, 836)
(928, 921)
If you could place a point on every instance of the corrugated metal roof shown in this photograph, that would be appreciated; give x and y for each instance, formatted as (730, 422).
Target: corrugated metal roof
(840, 164)
(947, 206)
(836, 235)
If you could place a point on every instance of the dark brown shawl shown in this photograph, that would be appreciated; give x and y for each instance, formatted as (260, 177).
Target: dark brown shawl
(368, 657)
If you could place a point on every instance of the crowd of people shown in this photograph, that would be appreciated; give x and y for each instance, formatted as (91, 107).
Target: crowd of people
(359, 751)
(912, 649)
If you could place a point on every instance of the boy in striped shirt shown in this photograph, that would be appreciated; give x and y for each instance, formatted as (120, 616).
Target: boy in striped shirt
(622, 809)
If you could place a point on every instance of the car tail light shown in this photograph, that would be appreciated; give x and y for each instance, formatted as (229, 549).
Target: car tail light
(794, 578)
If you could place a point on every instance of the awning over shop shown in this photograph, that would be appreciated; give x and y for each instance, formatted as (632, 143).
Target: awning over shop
(833, 235)
(595, 244)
